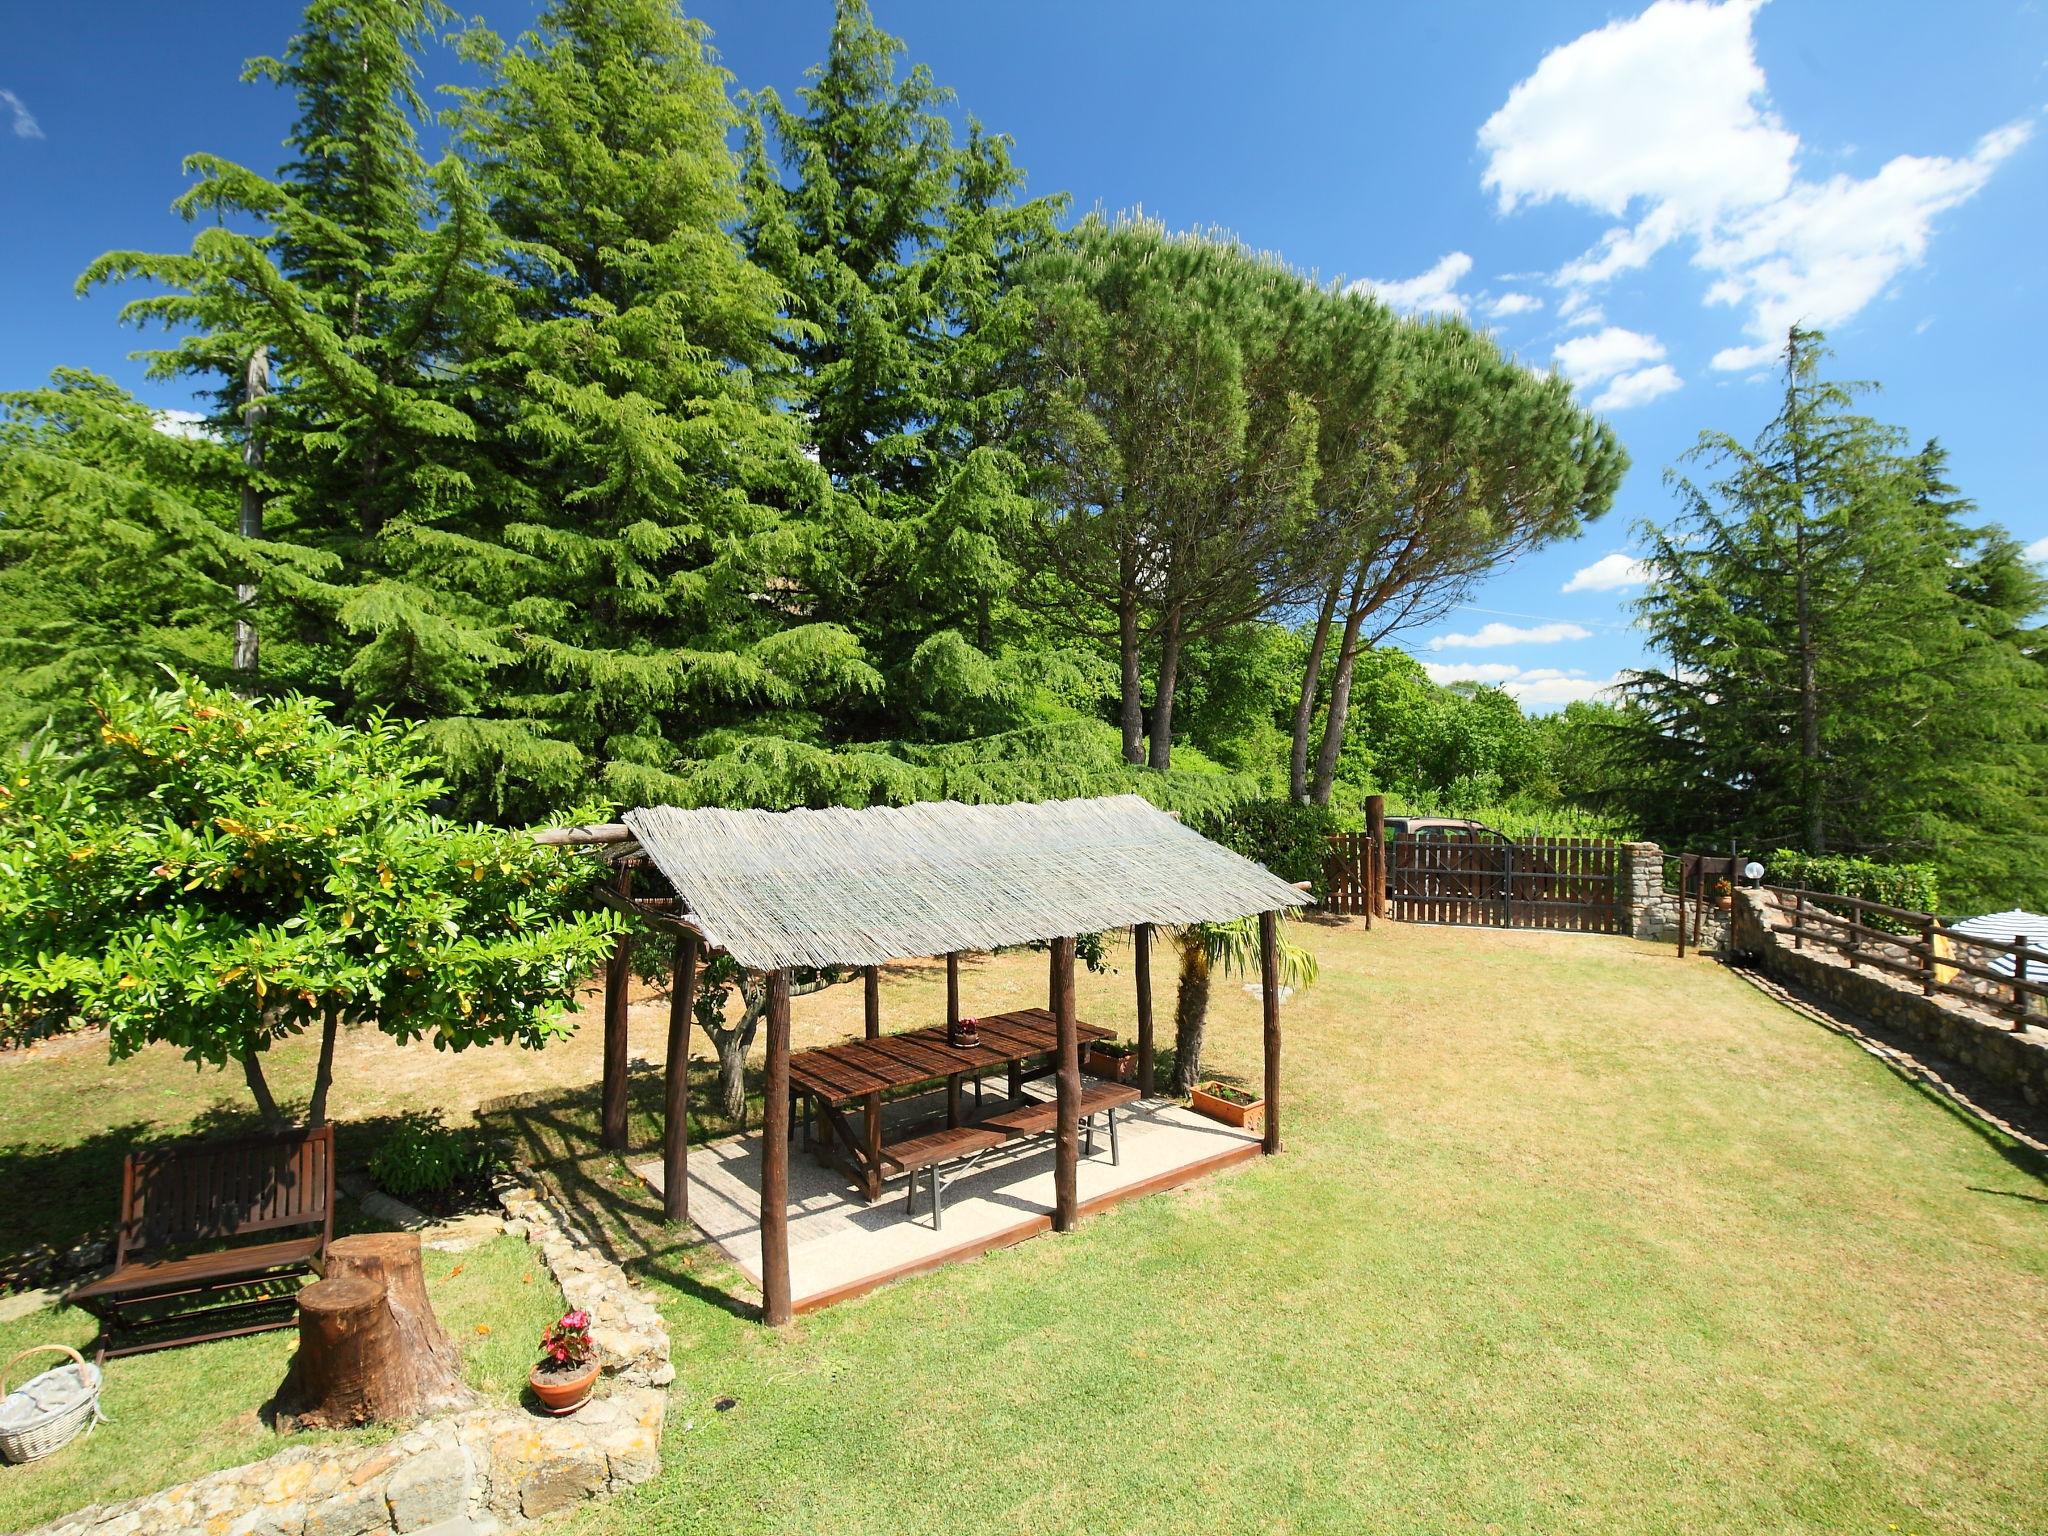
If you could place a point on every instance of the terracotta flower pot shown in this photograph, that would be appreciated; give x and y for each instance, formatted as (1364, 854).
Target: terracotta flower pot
(1244, 1116)
(1112, 1068)
(563, 1394)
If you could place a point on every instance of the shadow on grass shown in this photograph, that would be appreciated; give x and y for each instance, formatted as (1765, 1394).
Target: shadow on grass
(554, 1134)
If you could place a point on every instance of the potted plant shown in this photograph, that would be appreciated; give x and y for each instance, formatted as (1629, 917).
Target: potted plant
(1112, 1060)
(568, 1364)
(1233, 1106)
(1724, 895)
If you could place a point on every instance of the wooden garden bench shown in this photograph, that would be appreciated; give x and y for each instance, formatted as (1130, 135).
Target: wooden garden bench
(181, 1274)
(929, 1153)
(1038, 1119)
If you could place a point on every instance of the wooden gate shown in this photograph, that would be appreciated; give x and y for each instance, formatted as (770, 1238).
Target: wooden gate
(1572, 884)
(1354, 872)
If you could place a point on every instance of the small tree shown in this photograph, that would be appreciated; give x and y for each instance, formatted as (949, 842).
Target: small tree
(225, 873)
(1233, 948)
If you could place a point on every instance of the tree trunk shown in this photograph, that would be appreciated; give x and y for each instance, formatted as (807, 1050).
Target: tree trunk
(732, 1042)
(1340, 696)
(1190, 1016)
(1131, 687)
(255, 386)
(259, 1090)
(1162, 691)
(370, 1348)
(323, 1075)
(1311, 683)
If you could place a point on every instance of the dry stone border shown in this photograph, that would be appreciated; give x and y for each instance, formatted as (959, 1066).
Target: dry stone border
(467, 1474)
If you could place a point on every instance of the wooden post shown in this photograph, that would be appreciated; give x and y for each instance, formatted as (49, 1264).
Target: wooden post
(775, 1158)
(1052, 977)
(1799, 919)
(675, 1100)
(1066, 1166)
(1141, 948)
(2019, 976)
(1269, 1009)
(871, 979)
(618, 1056)
(1376, 856)
(952, 1018)
(1681, 906)
(1927, 957)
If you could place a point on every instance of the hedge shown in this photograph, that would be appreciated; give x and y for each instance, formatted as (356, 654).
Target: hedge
(1291, 840)
(1911, 886)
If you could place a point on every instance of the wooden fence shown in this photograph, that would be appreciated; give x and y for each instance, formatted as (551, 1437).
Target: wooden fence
(1569, 884)
(1908, 944)
(1356, 872)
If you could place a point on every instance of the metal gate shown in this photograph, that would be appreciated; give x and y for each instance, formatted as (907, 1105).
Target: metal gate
(1571, 884)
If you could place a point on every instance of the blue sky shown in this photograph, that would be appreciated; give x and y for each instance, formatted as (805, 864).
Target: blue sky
(1640, 196)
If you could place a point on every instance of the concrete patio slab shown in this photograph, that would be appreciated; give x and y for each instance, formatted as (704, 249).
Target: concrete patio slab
(840, 1247)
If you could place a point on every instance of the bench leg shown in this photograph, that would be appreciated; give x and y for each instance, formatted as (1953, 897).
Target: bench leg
(910, 1197)
(938, 1206)
(1088, 1137)
(1116, 1155)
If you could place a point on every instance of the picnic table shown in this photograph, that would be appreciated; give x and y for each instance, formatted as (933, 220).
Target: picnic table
(833, 1077)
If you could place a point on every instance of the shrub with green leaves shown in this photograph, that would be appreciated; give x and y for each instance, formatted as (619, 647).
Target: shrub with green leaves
(423, 1156)
(1291, 840)
(1911, 886)
(218, 874)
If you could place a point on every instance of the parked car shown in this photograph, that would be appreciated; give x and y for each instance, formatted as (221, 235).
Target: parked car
(1447, 827)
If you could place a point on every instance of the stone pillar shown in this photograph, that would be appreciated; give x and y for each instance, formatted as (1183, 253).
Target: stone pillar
(1643, 870)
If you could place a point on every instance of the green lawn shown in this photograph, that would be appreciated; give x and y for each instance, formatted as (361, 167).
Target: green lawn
(1569, 1236)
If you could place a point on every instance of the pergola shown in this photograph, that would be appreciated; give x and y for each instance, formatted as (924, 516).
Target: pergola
(786, 890)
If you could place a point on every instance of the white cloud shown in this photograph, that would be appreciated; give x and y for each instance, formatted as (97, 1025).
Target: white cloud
(1638, 386)
(1493, 636)
(1513, 304)
(1578, 309)
(1825, 250)
(1666, 109)
(1603, 354)
(1610, 573)
(1663, 122)
(1433, 292)
(176, 423)
(1531, 687)
(2038, 550)
(25, 125)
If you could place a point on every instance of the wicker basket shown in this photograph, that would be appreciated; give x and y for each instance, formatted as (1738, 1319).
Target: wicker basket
(26, 1435)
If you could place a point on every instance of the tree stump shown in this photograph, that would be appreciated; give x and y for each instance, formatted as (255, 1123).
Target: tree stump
(370, 1348)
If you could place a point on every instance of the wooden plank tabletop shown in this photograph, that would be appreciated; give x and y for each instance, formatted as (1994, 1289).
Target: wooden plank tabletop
(856, 1068)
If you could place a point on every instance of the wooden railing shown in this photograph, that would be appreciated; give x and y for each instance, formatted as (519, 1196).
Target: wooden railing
(1906, 943)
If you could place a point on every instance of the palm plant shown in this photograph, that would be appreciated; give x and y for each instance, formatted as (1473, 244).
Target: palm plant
(1232, 948)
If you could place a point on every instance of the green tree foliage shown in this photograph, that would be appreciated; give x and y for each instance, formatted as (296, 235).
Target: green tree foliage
(118, 548)
(897, 250)
(1487, 461)
(1851, 668)
(218, 875)
(1178, 455)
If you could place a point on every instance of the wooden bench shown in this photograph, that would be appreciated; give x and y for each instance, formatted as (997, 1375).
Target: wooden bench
(213, 1194)
(927, 1154)
(1041, 1117)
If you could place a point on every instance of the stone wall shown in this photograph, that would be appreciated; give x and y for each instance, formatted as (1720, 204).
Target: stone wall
(1653, 911)
(466, 1474)
(2013, 1057)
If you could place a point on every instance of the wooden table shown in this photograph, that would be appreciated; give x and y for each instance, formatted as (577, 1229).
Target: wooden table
(861, 1071)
